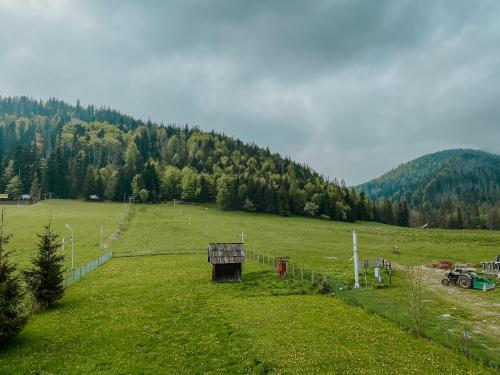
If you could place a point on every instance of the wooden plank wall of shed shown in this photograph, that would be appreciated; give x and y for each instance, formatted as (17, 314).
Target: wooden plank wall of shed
(226, 272)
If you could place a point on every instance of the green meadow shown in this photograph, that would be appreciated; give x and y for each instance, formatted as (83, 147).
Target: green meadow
(162, 314)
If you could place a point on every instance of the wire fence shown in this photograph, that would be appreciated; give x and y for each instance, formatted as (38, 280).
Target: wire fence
(138, 253)
(442, 330)
(75, 275)
(122, 223)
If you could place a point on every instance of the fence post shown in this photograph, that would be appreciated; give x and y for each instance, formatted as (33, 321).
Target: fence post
(312, 277)
(302, 273)
(466, 338)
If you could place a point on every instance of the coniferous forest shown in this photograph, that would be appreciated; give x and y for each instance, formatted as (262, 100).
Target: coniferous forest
(449, 189)
(52, 149)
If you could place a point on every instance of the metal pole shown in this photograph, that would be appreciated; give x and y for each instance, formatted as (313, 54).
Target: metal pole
(72, 246)
(355, 257)
(101, 230)
(72, 250)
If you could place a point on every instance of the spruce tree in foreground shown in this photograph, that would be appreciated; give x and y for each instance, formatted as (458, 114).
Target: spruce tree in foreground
(46, 279)
(13, 315)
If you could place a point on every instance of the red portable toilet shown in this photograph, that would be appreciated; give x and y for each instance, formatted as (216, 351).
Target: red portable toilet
(282, 267)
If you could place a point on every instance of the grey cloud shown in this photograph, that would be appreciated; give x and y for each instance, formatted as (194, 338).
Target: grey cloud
(352, 88)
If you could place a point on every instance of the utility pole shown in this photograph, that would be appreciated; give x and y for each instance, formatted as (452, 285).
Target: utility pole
(355, 257)
(101, 229)
(72, 238)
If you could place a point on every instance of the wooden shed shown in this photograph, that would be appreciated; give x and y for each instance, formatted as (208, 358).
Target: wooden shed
(226, 260)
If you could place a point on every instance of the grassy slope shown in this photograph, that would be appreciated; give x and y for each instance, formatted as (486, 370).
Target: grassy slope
(306, 241)
(163, 315)
(25, 221)
(326, 247)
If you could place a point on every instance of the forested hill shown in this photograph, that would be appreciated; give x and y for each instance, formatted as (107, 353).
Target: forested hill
(453, 188)
(50, 147)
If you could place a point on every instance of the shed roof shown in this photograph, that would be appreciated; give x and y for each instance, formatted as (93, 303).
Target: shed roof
(226, 253)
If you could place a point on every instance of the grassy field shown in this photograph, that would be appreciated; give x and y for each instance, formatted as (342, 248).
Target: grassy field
(24, 222)
(162, 315)
(326, 248)
(152, 314)
(324, 245)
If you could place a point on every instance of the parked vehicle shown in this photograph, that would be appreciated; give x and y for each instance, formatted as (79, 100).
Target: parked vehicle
(467, 278)
(451, 278)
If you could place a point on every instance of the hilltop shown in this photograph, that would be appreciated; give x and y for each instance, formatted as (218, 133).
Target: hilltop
(53, 149)
(453, 188)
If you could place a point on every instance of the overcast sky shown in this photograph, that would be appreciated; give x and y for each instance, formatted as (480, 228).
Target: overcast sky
(352, 88)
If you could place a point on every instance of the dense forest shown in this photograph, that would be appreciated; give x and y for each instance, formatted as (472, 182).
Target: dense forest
(52, 149)
(448, 189)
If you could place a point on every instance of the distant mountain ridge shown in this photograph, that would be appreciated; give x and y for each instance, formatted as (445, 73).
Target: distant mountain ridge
(444, 187)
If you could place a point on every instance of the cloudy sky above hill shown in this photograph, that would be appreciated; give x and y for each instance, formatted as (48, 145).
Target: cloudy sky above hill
(351, 88)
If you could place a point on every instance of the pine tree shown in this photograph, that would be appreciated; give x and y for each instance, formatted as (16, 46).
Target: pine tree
(404, 215)
(35, 190)
(282, 202)
(46, 279)
(14, 188)
(13, 315)
(224, 192)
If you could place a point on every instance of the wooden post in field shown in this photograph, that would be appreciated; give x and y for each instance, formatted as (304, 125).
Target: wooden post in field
(466, 337)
